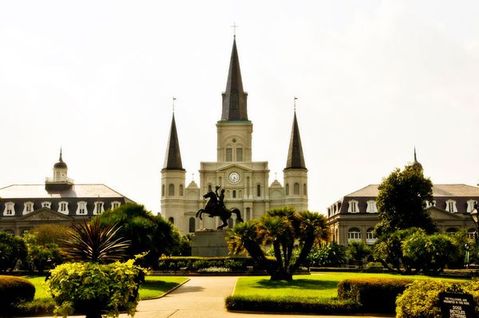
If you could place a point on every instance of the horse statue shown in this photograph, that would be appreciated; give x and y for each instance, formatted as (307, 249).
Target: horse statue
(215, 207)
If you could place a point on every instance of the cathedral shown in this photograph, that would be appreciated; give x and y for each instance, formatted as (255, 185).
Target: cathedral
(246, 182)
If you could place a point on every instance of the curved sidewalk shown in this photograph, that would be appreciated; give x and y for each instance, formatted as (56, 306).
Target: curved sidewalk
(201, 297)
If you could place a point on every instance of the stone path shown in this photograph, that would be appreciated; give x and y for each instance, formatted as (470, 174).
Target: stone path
(201, 297)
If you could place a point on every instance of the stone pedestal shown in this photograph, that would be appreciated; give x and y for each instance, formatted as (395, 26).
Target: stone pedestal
(209, 243)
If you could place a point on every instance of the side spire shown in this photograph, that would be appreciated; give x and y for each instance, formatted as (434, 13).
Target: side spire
(234, 97)
(61, 151)
(173, 155)
(295, 158)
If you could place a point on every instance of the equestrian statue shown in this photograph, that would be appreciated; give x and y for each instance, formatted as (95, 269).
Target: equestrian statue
(216, 207)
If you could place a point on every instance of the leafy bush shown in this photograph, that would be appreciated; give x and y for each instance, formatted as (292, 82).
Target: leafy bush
(421, 298)
(331, 254)
(214, 270)
(358, 251)
(36, 307)
(41, 256)
(373, 294)
(95, 288)
(373, 267)
(14, 290)
(291, 304)
(176, 263)
(13, 249)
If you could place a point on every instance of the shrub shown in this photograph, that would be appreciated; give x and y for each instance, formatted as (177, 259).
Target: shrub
(13, 249)
(291, 305)
(175, 263)
(373, 294)
(95, 288)
(421, 298)
(36, 307)
(14, 290)
(373, 267)
(331, 254)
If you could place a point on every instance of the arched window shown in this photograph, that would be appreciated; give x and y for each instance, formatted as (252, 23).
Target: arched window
(305, 189)
(239, 154)
(296, 189)
(181, 190)
(171, 220)
(229, 154)
(370, 239)
(171, 189)
(258, 190)
(192, 225)
(287, 188)
(354, 234)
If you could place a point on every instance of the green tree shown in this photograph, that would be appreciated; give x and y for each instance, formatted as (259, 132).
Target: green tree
(358, 251)
(50, 233)
(146, 232)
(12, 250)
(402, 200)
(331, 254)
(41, 255)
(285, 231)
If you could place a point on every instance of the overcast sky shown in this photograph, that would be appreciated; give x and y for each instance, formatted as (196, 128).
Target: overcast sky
(374, 79)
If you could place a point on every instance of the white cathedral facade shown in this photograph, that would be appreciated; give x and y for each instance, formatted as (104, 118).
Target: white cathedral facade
(246, 182)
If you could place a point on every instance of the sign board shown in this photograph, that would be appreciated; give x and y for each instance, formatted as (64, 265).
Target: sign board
(456, 305)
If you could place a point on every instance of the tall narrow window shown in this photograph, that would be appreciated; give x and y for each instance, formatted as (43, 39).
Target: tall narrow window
(353, 206)
(28, 207)
(162, 190)
(171, 189)
(239, 154)
(63, 207)
(248, 215)
(296, 189)
(181, 190)
(234, 194)
(287, 188)
(451, 206)
(210, 188)
(258, 190)
(81, 208)
(98, 207)
(247, 187)
(192, 225)
(229, 154)
(371, 208)
(305, 189)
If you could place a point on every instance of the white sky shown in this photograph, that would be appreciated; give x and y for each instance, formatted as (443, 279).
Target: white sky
(374, 78)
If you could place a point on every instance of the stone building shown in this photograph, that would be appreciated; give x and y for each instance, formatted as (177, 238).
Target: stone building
(354, 216)
(246, 182)
(58, 201)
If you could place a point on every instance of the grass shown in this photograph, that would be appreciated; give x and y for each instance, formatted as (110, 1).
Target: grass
(153, 287)
(319, 286)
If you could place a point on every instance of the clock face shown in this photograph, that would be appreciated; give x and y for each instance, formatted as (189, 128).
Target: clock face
(234, 177)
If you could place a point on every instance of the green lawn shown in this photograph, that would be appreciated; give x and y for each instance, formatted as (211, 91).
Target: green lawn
(317, 285)
(154, 286)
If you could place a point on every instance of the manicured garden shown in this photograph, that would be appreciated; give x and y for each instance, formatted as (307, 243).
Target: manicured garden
(318, 292)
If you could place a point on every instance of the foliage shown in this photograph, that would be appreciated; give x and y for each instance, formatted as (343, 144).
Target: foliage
(331, 254)
(176, 263)
(50, 233)
(358, 251)
(14, 290)
(36, 307)
(402, 201)
(146, 232)
(41, 256)
(421, 298)
(94, 288)
(92, 241)
(374, 294)
(284, 230)
(12, 250)
(462, 243)
(290, 304)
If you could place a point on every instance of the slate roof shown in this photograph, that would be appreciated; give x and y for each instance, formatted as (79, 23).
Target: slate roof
(438, 190)
(37, 191)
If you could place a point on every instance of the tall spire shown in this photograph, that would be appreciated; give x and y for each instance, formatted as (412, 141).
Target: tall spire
(234, 98)
(60, 159)
(416, 163)
(415, 157)
(295, 153)
(173, 155)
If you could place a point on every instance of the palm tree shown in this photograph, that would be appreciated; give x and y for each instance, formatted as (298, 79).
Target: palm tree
(90, 241)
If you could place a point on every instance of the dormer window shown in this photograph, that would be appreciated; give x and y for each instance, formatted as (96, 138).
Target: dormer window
(470, 205)
(99, 207)
(46, 204)
(9, 209)
(82, 208)
(371, 208)
(115, 205)
(63, 207)
(28, 207)
(451, 206)
(353, 206)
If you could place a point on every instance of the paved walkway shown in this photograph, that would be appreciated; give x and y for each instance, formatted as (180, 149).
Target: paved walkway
(201, 297)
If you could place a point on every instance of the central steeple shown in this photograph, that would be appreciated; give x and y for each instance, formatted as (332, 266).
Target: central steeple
(234, 98)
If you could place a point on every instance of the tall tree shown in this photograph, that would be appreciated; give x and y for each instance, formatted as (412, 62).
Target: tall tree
(402, 201)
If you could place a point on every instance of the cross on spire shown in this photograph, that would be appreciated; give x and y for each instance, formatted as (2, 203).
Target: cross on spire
(234, 26)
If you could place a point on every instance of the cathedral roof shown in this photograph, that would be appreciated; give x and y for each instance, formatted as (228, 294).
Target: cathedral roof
(173, 155)
(295, 158)
(234, 97)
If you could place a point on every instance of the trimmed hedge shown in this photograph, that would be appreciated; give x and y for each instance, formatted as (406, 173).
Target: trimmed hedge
(291, 305)
(376, 295)
(14, 290)
(421, 298)
(191, 263)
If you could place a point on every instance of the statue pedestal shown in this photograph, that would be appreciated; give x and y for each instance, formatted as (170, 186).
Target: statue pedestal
(209, 243)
